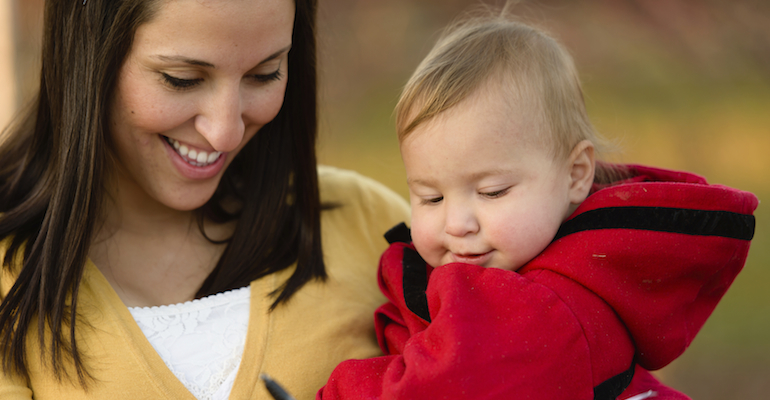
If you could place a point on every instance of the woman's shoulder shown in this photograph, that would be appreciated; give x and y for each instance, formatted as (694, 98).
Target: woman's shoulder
(346, 188)
(358, 208)
(334, 181)
(8, 273)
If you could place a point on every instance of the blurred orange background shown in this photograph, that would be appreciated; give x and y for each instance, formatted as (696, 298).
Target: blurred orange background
(680, 84)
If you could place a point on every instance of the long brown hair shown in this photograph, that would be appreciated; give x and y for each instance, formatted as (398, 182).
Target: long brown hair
(53, 161)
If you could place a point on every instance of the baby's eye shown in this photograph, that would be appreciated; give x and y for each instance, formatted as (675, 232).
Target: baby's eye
(495, 194)
(432, 200)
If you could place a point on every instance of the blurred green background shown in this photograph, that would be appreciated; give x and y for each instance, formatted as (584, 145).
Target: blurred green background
(680, 84)
(677, 84)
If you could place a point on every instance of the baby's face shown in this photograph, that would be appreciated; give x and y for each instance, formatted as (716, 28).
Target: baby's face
(482, 190)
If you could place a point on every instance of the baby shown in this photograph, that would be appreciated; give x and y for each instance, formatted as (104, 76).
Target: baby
(556, 276)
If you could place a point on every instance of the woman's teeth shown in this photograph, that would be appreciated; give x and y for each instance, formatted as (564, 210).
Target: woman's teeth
(192, 156)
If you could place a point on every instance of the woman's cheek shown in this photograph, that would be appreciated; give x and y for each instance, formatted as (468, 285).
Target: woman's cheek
(161, 114)
(263, 107)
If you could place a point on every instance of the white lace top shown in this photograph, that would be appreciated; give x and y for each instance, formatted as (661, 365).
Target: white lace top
(201, 341)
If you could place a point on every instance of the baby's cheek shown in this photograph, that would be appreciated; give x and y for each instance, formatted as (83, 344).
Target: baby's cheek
(426, 246)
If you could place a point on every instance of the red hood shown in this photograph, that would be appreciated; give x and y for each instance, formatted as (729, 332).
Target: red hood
(661, 248)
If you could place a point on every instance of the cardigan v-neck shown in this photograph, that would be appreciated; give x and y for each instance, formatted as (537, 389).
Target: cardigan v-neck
(123, 326)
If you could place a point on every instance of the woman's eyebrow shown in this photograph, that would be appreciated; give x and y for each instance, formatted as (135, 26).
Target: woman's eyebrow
(206, 64)
(185, 60)
(275, 55)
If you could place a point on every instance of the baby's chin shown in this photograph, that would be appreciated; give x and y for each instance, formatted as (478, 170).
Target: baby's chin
(501, 265)
(512, 268)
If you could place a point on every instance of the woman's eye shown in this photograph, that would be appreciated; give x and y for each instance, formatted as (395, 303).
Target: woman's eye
(495, 194)
(269, 77)
(179, 83)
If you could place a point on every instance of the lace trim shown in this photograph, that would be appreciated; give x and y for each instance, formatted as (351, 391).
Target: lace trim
(200, 341)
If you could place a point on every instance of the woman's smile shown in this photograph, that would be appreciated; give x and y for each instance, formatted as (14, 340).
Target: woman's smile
(198, 158)
(191, 162)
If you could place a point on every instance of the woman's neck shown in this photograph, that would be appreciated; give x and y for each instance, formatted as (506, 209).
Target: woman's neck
(151, 254)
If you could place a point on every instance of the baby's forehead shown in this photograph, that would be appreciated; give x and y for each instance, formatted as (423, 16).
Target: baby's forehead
(493, 109)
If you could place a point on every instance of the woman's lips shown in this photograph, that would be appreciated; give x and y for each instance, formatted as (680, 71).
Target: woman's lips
(192, 169)
(195, 157)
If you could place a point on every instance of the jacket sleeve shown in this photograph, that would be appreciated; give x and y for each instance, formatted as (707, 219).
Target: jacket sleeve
(492, 334)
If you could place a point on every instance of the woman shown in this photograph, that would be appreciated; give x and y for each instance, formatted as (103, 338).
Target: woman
(169, 157)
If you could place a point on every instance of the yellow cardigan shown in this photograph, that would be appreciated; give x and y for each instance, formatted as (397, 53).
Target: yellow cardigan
(298, 344)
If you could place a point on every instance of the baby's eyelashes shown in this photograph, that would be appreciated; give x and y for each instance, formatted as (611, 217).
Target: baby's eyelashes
(431, 200)
(495, 193)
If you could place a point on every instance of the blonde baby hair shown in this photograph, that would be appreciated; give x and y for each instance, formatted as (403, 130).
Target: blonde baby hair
(530, 65)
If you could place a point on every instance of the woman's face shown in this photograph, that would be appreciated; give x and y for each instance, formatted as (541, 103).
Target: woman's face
(202, 77)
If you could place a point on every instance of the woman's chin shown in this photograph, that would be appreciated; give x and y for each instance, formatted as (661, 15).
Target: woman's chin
(187, 200)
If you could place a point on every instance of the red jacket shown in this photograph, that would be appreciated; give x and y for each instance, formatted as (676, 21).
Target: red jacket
(624, 287)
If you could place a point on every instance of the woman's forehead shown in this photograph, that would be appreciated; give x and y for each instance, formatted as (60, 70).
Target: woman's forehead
(217, 31)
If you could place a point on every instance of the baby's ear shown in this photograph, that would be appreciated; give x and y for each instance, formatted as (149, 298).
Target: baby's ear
(581, 165)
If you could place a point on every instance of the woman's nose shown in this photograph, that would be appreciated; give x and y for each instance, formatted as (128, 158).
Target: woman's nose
(220, 120)
(460, 220)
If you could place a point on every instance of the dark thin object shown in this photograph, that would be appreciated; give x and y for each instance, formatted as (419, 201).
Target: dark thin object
(613, 387)
(275, 389)
(415, 284)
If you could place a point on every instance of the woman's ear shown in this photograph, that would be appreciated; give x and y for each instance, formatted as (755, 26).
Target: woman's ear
(581, 168)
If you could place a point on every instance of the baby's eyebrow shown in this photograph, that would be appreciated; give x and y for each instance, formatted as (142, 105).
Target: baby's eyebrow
(421, 182)
(471, 176)
(483, 174)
